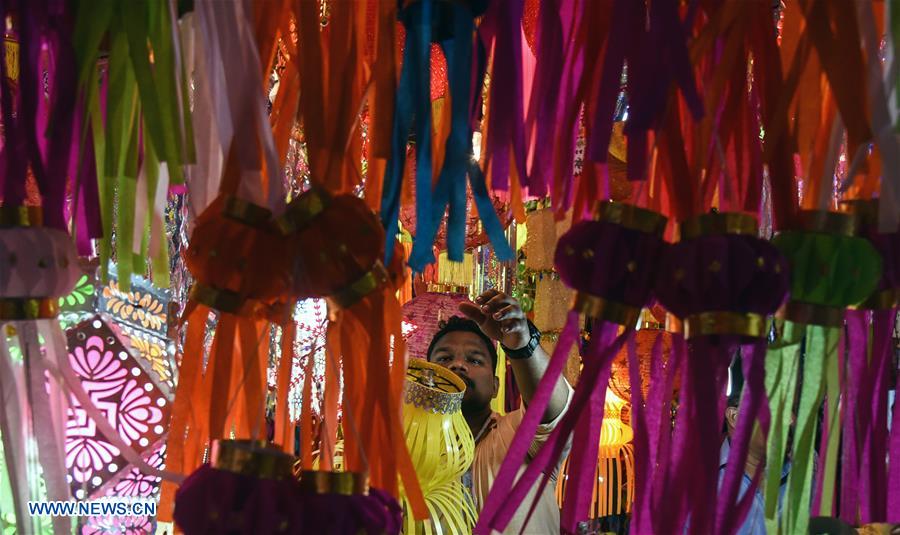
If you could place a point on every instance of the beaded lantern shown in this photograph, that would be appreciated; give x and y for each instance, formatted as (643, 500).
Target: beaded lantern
(337, 243)
(610, 261)
(722, 281)
(831, 269)
(441, 446)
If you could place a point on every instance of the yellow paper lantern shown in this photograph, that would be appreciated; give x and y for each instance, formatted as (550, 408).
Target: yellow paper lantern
(613, 491)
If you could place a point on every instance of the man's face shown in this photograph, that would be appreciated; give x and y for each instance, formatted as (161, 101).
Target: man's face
(466, 355)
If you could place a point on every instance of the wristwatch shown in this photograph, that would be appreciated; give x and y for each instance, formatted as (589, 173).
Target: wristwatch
(528, 350)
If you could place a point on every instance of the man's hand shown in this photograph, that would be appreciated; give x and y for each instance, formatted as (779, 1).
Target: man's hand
(500, 317)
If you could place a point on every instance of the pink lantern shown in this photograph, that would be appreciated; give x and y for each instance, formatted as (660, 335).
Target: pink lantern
(424, 313)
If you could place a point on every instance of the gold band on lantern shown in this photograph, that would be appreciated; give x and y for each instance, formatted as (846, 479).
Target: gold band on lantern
(221, 300)
(722, 322)
(433, 388)
(630, 217)
(813, 314)
(21, 216)
(599, 308)
(250, 458)
(301, 211)
(361, 287)
(865, 210)
(826, 222)
(17, 308)
(880, 300)
(323, 482)
(717, 223)
(246, 212)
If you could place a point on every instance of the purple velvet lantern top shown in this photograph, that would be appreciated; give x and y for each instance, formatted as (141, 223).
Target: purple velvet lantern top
(614, 256)
(720, 265)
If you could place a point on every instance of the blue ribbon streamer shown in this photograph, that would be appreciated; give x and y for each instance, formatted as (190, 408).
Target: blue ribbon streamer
(458, 161)
(413, 94)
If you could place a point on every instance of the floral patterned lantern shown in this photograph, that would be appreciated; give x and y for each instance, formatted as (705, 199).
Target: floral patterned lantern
(125, 392)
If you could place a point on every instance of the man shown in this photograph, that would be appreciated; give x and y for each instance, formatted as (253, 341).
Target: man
(466, 347)
(755, 523)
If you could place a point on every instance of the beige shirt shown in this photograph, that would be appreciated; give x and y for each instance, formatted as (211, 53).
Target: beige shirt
(491, 445)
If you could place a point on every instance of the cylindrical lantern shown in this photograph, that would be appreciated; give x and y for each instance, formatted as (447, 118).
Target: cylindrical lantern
(613, 491)
(441, 446)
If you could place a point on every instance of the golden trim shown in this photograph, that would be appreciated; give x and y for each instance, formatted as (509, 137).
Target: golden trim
(251, 458)
(882, 300)
(221, 300)
(17, 308)
(724, 322)
(446, 288)
(323, 482)
(717, 223)
(423, 392)
(361, 287)
(630, 216)
(674, 323)
(246, 212)
(809, 313)
(826, 222)
(301, 211)
(599, 308)
(865, 210)
(21, 216)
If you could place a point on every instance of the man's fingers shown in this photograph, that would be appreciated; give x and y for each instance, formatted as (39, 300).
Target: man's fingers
(510, 311)
(497, 302)
(473, 312)
(486, 296)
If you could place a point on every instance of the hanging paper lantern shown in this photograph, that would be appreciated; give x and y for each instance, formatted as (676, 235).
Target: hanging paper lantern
(337, 244)
(246, 488)
(613, 490)
(441, 447)
(37, 266)
(126, 394)
(722, 281)
(424, 313)
(540, 242)
(240, 272)
(831, 269)
(611, 262)
(647, 340)
(343, 503)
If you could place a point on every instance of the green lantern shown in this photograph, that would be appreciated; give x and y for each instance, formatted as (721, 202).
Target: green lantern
(831, 269)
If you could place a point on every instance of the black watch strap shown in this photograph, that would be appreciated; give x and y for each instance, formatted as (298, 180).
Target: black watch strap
(530, 347)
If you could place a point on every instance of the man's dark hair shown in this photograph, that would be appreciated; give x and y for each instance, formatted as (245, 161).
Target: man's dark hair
(737, 382)
(459, 324)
